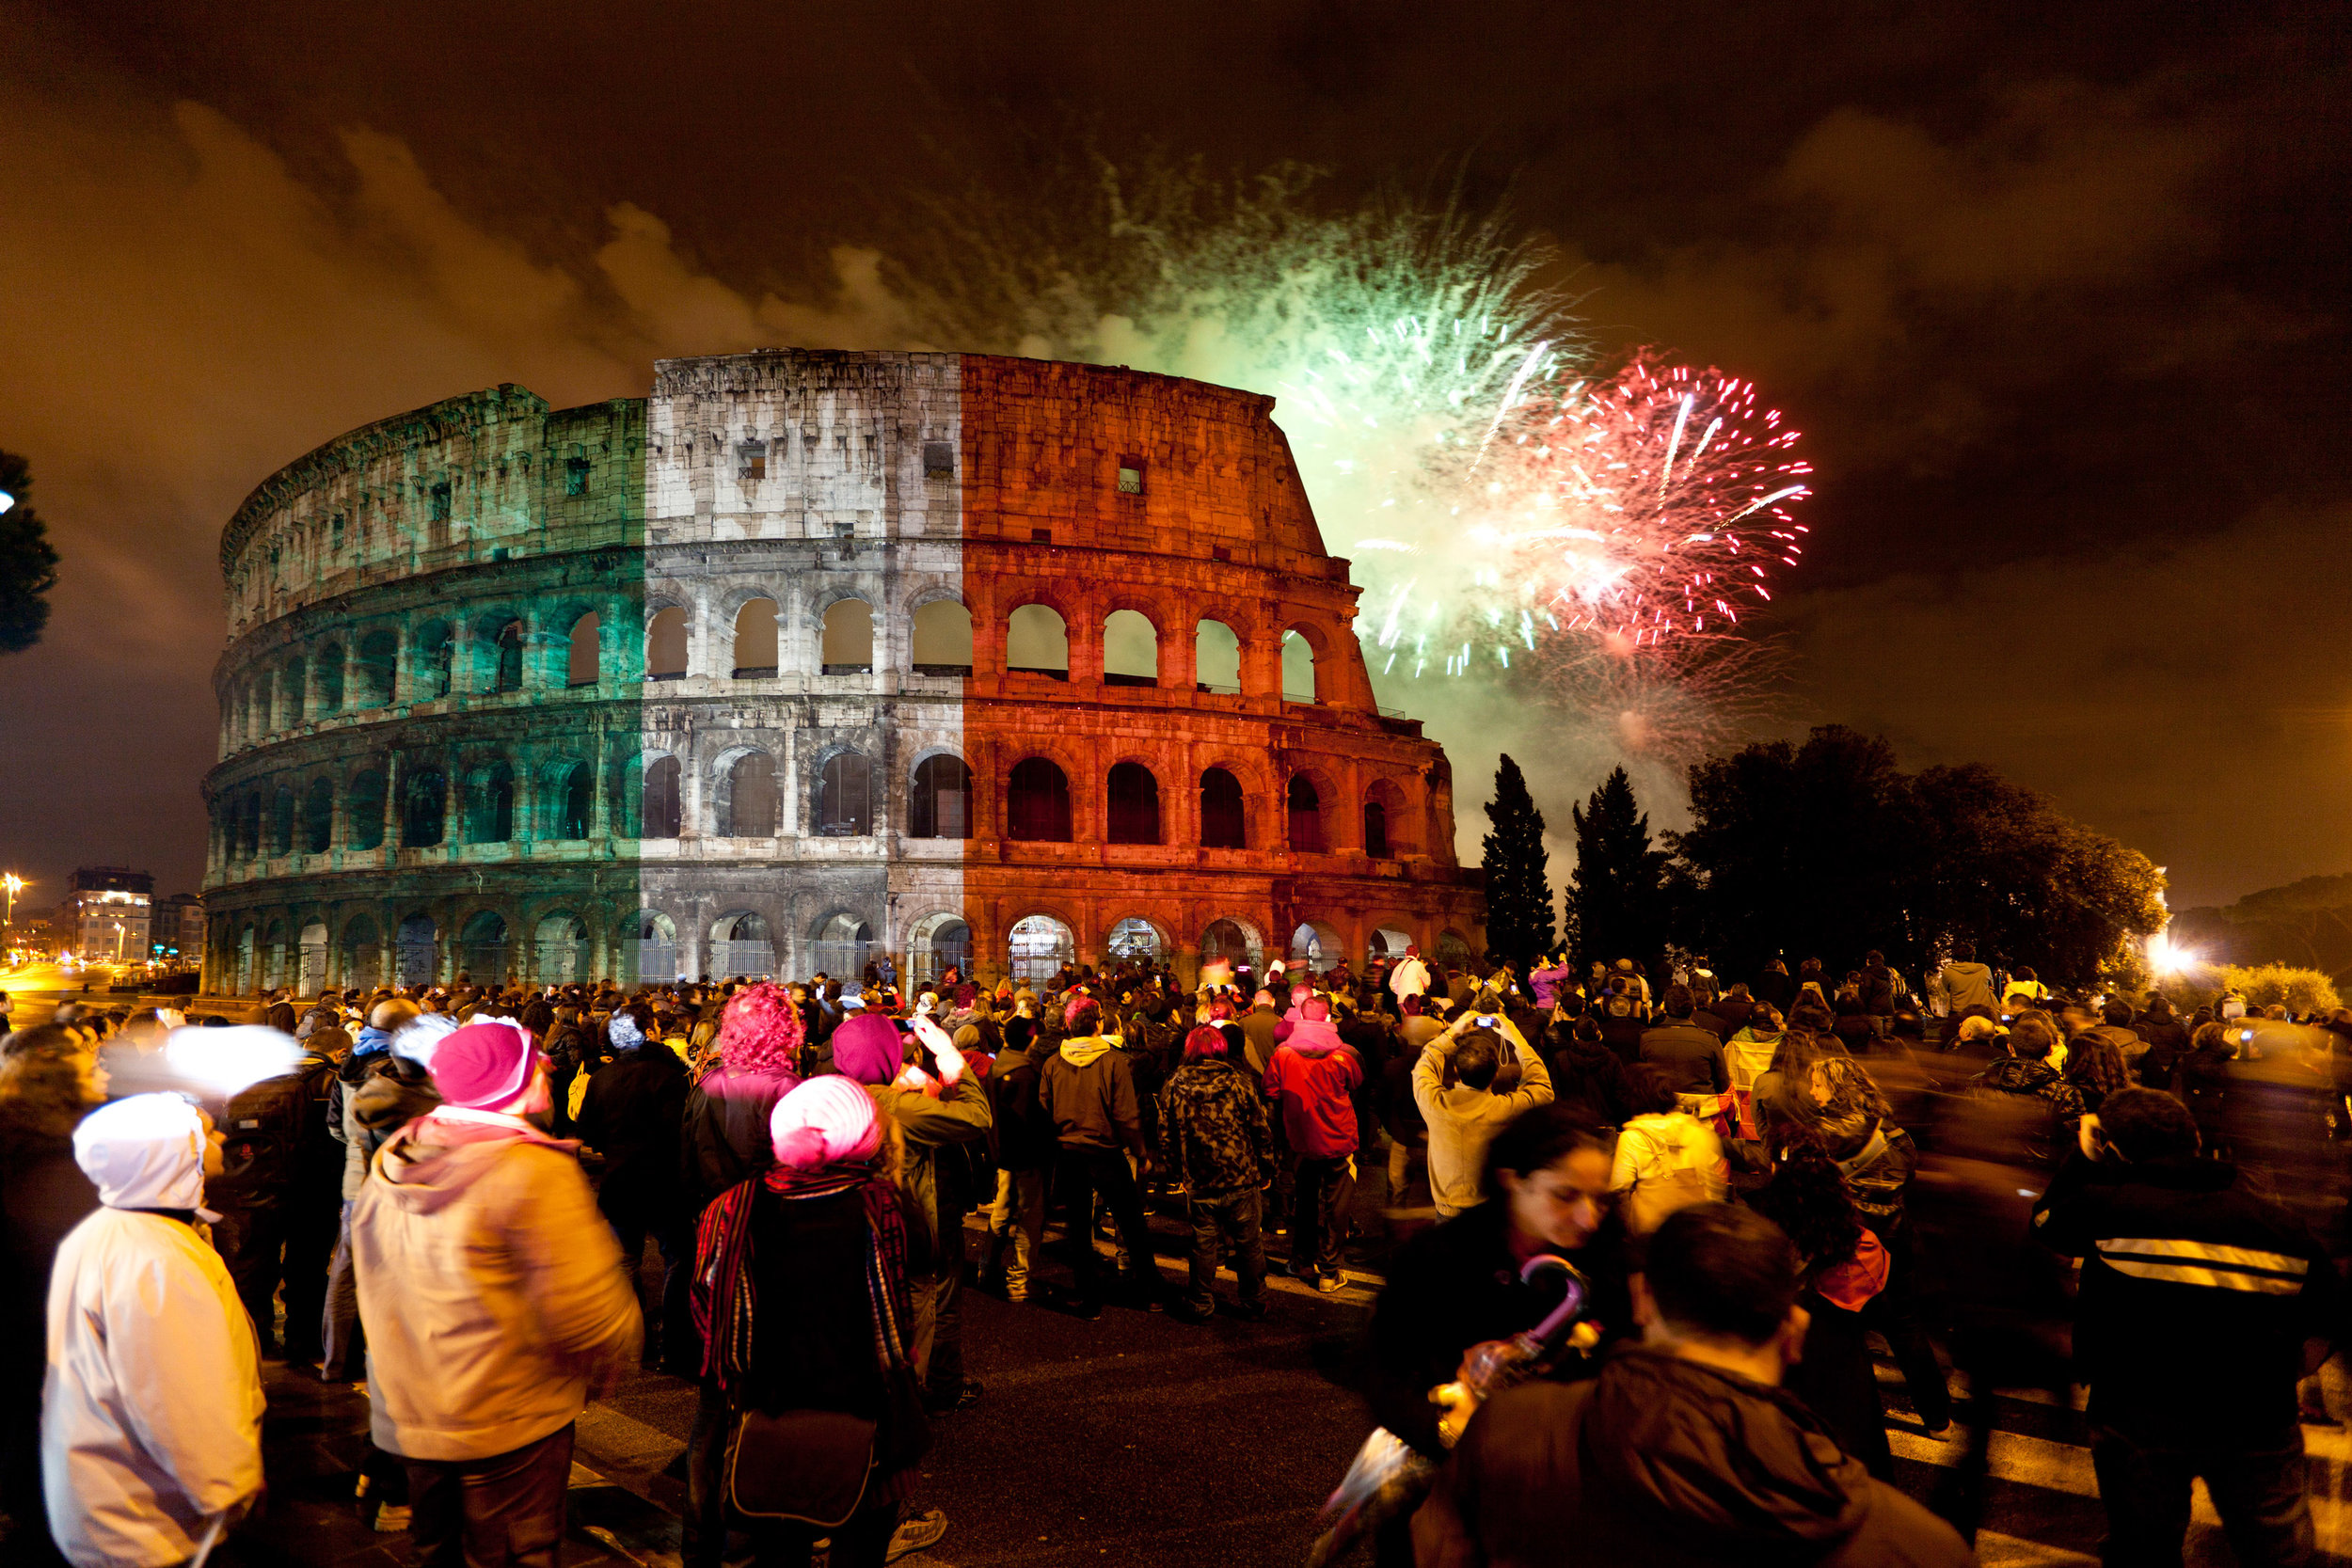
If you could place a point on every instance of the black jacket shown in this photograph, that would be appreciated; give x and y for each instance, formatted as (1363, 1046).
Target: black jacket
(1455, 1286)
(1586, 1077)
(725, 1137)
(632, 1115)
(1023, 1133)
(1692, 1059)
(277, 1150)
(1660, 1463)
(2198, 1295)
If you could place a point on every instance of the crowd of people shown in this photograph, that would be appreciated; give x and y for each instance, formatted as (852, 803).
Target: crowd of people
(491, 1203)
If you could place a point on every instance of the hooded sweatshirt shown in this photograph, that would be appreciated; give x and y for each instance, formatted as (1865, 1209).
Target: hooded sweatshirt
(1311, 1079)
(1966, 985)
(1088, 1090)
(152, 1423)
(491, 1288)
(1660, 1462)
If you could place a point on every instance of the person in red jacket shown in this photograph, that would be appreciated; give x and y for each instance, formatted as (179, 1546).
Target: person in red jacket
(1311, 1080)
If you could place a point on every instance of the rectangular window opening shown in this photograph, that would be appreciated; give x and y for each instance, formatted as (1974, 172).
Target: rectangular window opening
(1040, 536)
(939, 459)
(751, 465)
(574, 476)
(1131, 476)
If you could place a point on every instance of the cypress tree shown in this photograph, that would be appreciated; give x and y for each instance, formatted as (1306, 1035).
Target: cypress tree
(1519, 885)
(1616, 899)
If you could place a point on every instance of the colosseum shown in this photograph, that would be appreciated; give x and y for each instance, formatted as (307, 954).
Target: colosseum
(804, 659)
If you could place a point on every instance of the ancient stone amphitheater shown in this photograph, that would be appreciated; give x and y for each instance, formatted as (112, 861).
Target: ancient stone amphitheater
(806, 658)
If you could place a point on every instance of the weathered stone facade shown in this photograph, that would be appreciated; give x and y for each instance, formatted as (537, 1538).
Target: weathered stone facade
(890, 652)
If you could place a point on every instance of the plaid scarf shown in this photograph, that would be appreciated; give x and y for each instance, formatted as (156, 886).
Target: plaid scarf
(725, 1303)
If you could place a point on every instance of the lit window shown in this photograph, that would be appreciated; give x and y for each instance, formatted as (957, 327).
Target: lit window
(1131, 476)
(750, 462)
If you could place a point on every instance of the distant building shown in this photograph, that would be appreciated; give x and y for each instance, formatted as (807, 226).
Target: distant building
(109, 910)
(180, 923)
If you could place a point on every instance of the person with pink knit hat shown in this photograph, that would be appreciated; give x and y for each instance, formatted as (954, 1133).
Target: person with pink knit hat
(800, 1290)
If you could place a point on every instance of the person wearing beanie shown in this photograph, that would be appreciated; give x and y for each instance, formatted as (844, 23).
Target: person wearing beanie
(803, 1291)
(494, 1302)
(150, 1435)
(1221, 1149)
(941, 1109)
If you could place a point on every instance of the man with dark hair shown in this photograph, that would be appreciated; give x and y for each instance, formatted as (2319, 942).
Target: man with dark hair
(2203, 1304)
(1691, 1058)
(1088, 1090)
(1464, 1119)
(1684, 1450)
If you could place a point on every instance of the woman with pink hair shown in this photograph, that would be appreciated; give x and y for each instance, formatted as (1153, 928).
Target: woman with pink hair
(801, 1291)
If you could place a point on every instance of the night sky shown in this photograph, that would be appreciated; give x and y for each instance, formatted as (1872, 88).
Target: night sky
(2056, 294)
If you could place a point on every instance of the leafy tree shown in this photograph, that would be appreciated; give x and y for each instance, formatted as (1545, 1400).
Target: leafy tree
(1518, 881)
(28, 565)
(1618, 900)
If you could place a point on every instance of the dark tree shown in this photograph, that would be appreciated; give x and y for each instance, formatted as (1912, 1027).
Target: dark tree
(1618, 898)
(1518, 883)
(28, 566)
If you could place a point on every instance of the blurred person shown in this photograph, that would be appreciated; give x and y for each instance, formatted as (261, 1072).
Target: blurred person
(802, 1286)
(1586, 1077)
(2178, 1251)
(1731, 1009)
(1459, 1285)
(476, 1375)
(1843, 1268)
(1464, 1118)
(49, 1079)
(1684, 1452)
(1026, 1146)
(1689, 1058)
(1219, 1148)
(2095, 1068)
(1961, 984)
(277, 1195)
(1877, 993)
(633, 1115)
(2202, 1083)
(150, 1433)
(1667, 1159)
(2168, 1042)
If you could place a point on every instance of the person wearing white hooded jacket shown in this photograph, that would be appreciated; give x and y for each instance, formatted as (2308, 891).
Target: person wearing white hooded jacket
(150, 1431)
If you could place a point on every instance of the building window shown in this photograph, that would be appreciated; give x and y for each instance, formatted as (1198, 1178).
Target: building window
(848, 639)
(420, 814)
(845, 796)
(1037, 804)
(436, 503)
(750, 462)
(1131, 476)
(572, 802)
(751, 806)
(940, 805)
(318, 817)
(364, 812)
(939, 459)
(1224, 824)
(1134, 805)
(510, 665)
(1306, 815)
(574, 476)
(1375, 830)
(660, 813)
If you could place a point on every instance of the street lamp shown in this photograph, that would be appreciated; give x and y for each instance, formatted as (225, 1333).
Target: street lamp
(14, 883)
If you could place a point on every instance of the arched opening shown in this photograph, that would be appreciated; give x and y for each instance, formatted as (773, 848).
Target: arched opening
(425, 802)
(560, 953)
(415, 955)
(584, 663)
(1216, 658)
(658, 815)
(665, 646)
(379, 663)
(363, 952)
(289, 696)
(940, 803)
(1375, 830)
(750, 809)
(1134, 805)
(841, 947)
(318, 820)
(1306, 814)
(246, 950)
(249, 838)
(848, 637)
(330, 674)
(432, 662)
(1037, 802)
(1224, 820)
(509, 676)
(740, 948)
(482, 948)
(1316, 946)
(311, 959)
(1131, 650)
(755, 641)
(1037, 642)
(1231, 941)
(1389, 821)
(363, 813)
(1388, 943)
(281, 821)
(274, 955)
(573, 799)
(938, 944)
(943, 639)
(650, 956)
(1038, 947)
(1135, 938)
(490, 804)
(1298, 669)
(845, 796)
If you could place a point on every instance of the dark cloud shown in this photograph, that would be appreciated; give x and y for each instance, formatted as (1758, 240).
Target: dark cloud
(2052, 291)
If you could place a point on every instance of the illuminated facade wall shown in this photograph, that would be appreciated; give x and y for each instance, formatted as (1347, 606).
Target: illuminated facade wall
(806, 658)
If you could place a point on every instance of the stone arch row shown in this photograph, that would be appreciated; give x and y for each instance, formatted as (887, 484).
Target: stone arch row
(483, 794)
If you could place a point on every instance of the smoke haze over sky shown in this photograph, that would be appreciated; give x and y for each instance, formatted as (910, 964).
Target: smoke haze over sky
(2051, 295)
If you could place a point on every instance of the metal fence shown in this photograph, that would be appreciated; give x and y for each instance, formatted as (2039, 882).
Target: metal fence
(751, 960)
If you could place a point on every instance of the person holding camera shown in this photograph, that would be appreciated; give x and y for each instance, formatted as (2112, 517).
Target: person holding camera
(1465, 1114)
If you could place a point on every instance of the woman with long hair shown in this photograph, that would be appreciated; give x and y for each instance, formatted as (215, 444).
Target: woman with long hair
(2095, 1066)
(1845, 1267)
(801, 1291)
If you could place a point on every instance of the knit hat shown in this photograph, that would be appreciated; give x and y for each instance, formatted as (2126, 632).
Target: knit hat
(760, 1031)
(823, 1122)
(866, 1048)
(482, 1065)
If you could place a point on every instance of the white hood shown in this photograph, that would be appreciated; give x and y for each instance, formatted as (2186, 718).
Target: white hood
(144, 1152)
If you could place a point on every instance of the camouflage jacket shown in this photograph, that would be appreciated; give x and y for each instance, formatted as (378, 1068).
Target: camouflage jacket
(1213, 1132)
